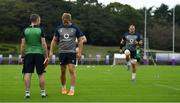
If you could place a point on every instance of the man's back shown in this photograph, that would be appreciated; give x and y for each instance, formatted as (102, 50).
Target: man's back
(33, 39)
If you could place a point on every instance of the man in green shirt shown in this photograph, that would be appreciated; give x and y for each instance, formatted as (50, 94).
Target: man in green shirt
(33, 48)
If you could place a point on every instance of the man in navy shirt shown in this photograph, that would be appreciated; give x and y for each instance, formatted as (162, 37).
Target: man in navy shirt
(66, 35)
(131, 40)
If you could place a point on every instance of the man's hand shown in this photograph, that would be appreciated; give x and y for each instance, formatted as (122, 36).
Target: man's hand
(120, 50)
(46, 61)
(140, 42)
(136, 42)
(53, 45)
(22, 59)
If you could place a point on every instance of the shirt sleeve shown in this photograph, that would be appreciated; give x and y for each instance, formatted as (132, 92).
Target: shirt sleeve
(139, 37)
(78, 33)
(43, 34)
(23, 34)
(124, 36)
(56, 34)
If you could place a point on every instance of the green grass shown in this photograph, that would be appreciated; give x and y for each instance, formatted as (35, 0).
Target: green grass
(102, 83)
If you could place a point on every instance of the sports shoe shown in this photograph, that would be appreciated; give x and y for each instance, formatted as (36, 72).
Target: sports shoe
(133, 78)
(44, 96)
(63, 91)
(71, 93)
(27, 96)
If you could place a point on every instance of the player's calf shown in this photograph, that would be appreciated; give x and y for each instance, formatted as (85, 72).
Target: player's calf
(127, 53)
(133, 61)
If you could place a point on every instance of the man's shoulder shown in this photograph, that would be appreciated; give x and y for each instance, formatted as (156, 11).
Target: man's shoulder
(27, 27)
(74, 26)
(59, 26)
(35, 27)
(126, 33)
(137, 33)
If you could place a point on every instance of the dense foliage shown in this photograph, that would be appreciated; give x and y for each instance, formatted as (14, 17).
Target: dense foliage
(103, 25)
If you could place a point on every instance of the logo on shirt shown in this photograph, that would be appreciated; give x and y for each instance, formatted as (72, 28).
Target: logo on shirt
(66, 36)
(131, 41)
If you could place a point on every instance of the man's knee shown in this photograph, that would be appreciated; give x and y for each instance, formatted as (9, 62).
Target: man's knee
(27, 75)
(63, 69)
(63, 73)
(134, 61)
(71, 70)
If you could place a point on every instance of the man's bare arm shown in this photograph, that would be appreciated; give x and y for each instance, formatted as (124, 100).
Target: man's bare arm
(53, 45)
(44, 45)
(22, 48)
(80, 46)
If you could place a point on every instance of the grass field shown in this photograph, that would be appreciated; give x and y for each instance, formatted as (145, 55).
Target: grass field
(101, 83)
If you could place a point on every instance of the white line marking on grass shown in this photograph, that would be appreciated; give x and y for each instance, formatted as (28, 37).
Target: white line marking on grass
(166, 86)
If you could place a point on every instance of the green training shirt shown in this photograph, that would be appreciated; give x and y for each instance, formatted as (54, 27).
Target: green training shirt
(33, 35)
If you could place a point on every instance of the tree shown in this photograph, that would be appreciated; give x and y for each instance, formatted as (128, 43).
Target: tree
(103, 25)
(177, 11)
(163, 14)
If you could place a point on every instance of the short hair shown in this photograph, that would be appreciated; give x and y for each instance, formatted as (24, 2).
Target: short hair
(66, 16)
(132, 26)
(34, 17)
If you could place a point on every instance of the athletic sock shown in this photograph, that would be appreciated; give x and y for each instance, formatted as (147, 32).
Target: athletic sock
(133, 76)
(72, 88)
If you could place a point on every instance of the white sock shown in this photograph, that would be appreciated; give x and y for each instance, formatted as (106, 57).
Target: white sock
(64, 86)
(133, 75)
(72, 88)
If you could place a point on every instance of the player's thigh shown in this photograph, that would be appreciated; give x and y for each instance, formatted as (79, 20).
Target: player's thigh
(71, 68)
(39, 60)
(28, 66)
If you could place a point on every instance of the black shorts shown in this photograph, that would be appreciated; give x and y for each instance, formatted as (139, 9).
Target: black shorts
(133, 54)
(31, 61)
(138, 60)
(67, 58)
